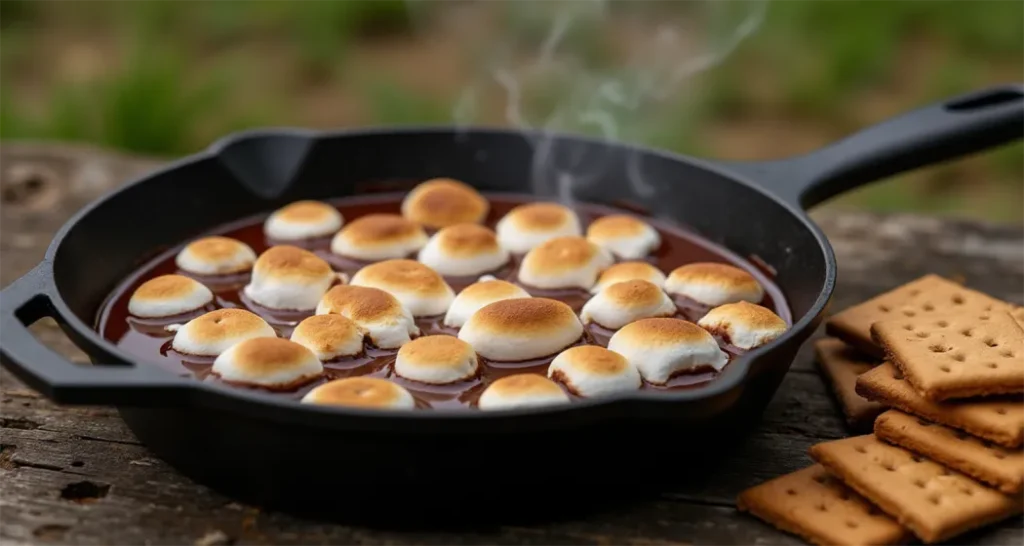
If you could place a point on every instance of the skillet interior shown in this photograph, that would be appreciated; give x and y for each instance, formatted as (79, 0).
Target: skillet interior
(177, 204)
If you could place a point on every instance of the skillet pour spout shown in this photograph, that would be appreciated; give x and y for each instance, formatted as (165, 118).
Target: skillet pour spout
(224, 437)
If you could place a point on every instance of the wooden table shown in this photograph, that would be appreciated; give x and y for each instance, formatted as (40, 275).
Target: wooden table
(77, 475)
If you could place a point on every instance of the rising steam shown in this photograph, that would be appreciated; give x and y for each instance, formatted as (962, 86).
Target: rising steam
(604, 68)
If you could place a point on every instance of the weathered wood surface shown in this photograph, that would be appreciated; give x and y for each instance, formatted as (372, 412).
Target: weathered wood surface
(76, 475)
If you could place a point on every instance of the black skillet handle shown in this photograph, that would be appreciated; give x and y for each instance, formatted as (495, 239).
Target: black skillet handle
(27, 300)
(933, 134)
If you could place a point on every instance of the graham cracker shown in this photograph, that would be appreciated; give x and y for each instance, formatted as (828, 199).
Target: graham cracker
(956, 356)
(922, 298)
(997, 466)
(999, 420)
(932, 501)
(841, 364)
(814, 505)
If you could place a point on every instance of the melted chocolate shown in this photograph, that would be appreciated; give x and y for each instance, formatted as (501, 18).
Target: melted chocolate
(148, 339)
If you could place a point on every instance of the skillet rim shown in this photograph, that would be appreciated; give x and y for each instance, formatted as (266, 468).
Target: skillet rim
(199, 390)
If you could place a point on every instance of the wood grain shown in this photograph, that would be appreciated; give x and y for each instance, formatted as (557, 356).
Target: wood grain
(77, 475)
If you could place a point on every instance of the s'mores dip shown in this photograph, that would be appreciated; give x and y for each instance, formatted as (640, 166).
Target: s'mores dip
(446, 298)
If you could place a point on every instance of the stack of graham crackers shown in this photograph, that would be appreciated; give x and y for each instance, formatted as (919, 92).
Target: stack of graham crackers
(948, 417)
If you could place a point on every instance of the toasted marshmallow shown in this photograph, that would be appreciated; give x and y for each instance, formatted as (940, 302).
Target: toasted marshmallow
(438, 360)
(477, 295)
(521, 391)
(212, 333)
(361, 392)
(665, 347)
(527, 226)
(303, 220)
(215, 256)
(625, 302)
(270, 362)
(743, 324)
(168, 295)
(420, 289)
(589, 370)
(379, 237)
(628, 271)
(625, 236)
(521, 329)
(388, 323)
(463, 249)
(564, 262)
(288, 277)
(329, 336)
(714, 284)
(443, 202)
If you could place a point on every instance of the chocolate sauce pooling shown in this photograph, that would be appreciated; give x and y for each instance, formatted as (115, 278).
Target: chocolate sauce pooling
(150, 341)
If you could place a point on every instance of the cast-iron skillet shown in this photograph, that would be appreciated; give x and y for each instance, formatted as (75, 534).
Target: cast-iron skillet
(278, 452)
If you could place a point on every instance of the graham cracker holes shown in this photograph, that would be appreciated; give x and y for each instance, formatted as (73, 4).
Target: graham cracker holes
(938, 348)
(943, 472)
(889, 466)
(884, 308)
(944, 368)
(928, 307)
(909, 313)
(966, 332)
(992, 365)
(908, 327)
(920, 483)
(998, 454)
(819, 479)
(958, 299)
(1006, 353)
(959, 357)
(852, 524)
(1001, 411)
(860, 449)
(791, 492)
(991, 342)
(967, 491)
(923, 335)
(942, 324)
(821, 507)
(934, 499)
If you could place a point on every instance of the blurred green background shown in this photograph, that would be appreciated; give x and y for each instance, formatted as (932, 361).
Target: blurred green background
(165, 78)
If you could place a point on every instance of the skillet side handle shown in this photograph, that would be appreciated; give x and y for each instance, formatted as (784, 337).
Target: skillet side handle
(27, 300)
(930, 135)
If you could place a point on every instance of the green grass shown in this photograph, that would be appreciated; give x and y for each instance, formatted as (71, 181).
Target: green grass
(149, 107)
(325, 30)
(12, 123)
(994, 28)
(392, 104)
(145, 106)
(72, 117)
(17, 12)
